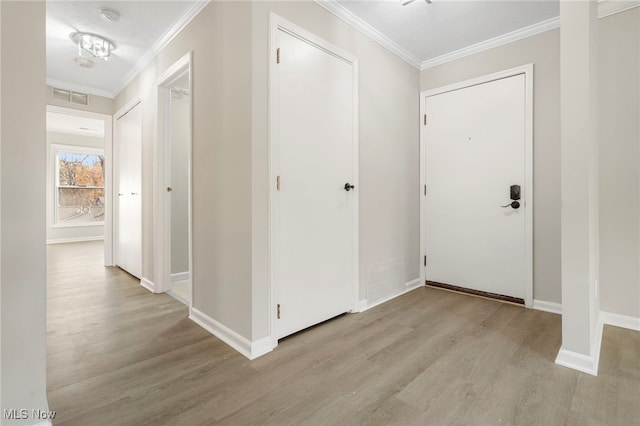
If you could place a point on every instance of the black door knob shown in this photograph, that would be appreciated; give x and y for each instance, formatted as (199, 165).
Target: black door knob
(348, 186)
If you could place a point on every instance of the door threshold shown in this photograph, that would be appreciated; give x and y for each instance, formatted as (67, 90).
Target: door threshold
(478, 293)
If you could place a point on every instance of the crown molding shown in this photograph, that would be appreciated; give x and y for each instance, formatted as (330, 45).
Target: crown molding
(59, 84)
(350, 18)
(611, 7)
(525, 32)
(162, 42)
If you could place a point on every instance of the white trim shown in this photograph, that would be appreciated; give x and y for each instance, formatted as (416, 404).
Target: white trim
(617, 320)
(261, 347)
(552, 307)
(44, 423)
(59, 84)
(527, 70)
(179, 276)
(148, 284)
(276, 24)
(74, 240)
(161, 202)
(611, 7)
(361, 306)
(501, 40)
(163, 41)
(128, 106)
(350, 18)
(605, 8)
(238, 342)
(410, 286)
(584, 363)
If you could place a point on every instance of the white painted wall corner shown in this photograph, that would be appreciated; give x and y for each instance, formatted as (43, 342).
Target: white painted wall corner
(580, 362)
(363, 305)
(552, 307)
(148, 284)
(246, 347)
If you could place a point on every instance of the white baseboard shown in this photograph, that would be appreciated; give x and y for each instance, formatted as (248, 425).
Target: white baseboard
(410, 286)
(541, 305)
(179, 276)
(617, 320)
(148, 284)
(238, 342)
(261, 346)
(44, 423)
(580, 362)
(73, 240)
(361, 306)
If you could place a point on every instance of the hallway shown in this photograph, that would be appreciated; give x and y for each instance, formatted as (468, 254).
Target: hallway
(118, 354)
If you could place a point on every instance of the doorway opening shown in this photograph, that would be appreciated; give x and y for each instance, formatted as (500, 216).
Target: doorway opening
(173, 192)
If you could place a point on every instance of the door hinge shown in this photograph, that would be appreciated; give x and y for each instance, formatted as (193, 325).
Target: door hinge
(278, 55)
(425, 190)
(425, 119)
(278, 183)
(425, 260)
(278, 311)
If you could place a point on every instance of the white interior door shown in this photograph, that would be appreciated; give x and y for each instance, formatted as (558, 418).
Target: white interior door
(127, 147)
(475, 150)
(315, 220)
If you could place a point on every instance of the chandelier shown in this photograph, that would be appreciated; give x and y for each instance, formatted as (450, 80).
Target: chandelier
(97, 46)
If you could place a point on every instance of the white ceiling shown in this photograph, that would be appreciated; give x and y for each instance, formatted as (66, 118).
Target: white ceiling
(427, 31)
(423, 34)
(143, 28)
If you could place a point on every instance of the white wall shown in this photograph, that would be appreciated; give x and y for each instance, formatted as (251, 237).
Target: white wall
(55, 234)
(388, 162)
(620, 163)
(97, 104)
(230, 157)
(619, 152)
(22, 241)
(180, 122)
(219, 38)
(543, 50)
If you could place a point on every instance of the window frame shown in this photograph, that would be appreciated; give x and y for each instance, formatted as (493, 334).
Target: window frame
(75, 149)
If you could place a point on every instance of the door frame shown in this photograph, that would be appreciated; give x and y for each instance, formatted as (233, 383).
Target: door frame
(527, 71)
(108, 120)
(128, 106)
(162, 203)
(277, 23)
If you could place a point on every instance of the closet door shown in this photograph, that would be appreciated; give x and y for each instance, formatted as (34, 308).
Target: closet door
(128, 215)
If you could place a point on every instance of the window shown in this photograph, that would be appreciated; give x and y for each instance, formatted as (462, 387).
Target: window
(79, 186)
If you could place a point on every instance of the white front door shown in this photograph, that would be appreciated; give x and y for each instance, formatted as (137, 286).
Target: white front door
(315, 222)
(128, 216)
(475, 151)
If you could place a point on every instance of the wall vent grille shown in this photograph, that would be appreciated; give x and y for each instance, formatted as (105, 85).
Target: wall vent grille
(70, 97)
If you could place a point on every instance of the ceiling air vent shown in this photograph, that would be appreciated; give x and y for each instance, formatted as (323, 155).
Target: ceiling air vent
(70, 97)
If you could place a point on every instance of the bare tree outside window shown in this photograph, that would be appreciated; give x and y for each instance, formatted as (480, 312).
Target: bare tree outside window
(79, 187)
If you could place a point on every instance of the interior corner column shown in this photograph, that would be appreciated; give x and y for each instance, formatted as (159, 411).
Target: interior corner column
(581, 329)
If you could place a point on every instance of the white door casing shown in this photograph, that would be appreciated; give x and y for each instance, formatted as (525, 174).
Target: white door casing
(128, 183)
(313, 145)
(162, 166)
(477, 141)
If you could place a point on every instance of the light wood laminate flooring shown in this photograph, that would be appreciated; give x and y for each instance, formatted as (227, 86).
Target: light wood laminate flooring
(119, 355)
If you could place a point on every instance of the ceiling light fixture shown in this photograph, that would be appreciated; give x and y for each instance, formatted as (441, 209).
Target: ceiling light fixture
(109, 15)
(84, 62)
(406, 2)
(97, 45)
